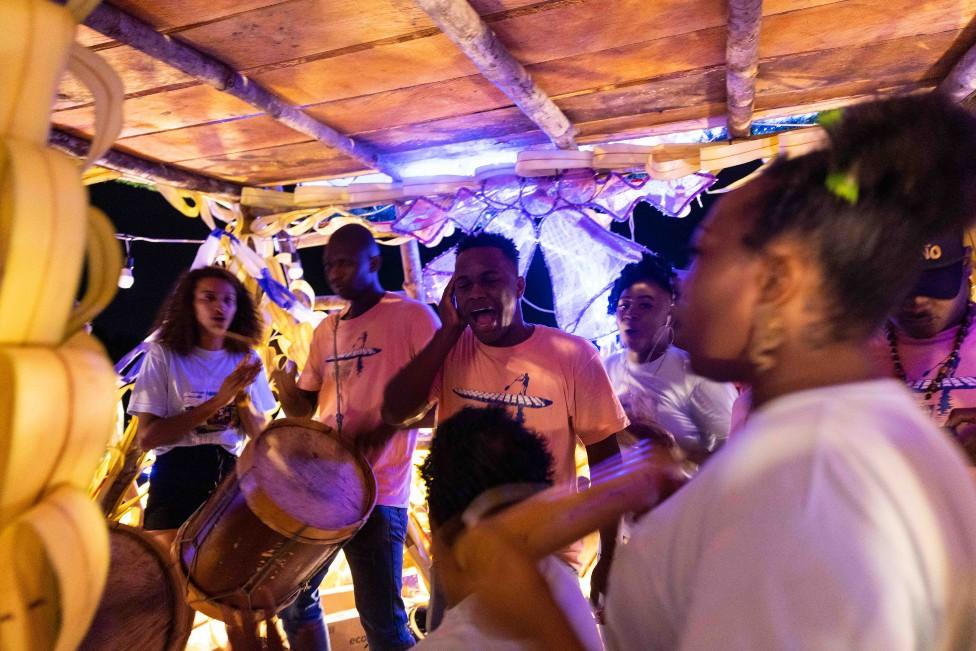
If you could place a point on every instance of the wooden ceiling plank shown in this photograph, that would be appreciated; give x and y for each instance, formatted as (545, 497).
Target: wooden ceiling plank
(430, 59)
(463, 25)
(303, 28)
(411, 105)
(447, 152)
(699, 94)
(140, 73)
(281, 164)
(860, 22)
(153, 171)
(588, 35)
(896, 63)
(214, 139)
(436, 60)
(125, 28)
(679, 101)
(492, 124)
(177, 109)
(742, 64)
(178, 14)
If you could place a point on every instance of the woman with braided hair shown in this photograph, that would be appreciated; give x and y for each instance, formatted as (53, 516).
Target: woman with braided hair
(839, 516)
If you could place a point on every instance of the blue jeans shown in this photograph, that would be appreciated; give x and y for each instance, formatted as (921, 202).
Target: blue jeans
(375, 557)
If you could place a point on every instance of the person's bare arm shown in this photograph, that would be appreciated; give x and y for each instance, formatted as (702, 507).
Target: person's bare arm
(253, 421)
(295, 401)
(512, 542)
(155, 431)
(597, 454)
(406, 394)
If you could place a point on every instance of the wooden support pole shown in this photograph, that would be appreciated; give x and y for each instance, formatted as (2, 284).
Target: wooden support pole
(413, 271)
(153, 171)
(462, 24)
(127, 29)
(960, 83)
(742, 64)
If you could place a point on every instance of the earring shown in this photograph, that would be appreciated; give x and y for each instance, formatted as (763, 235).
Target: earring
(767, 337)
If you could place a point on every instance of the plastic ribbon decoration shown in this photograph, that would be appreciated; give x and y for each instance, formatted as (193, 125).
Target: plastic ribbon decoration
(288, 307)
(256, 268)
(611, 193)
(555, 214)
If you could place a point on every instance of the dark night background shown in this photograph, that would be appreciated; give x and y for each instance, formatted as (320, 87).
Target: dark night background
(143, 212)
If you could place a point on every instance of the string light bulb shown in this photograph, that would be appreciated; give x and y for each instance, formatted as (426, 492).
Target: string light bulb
(295, 271)
(126, 277)
(287, 255)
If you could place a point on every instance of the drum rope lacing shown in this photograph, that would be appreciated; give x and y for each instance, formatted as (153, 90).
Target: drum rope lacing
(335, 366)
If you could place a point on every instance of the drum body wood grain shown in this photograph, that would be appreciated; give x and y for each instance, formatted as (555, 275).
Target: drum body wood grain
(296, 495)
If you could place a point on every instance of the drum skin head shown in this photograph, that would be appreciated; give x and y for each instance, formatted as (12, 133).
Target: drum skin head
(311, 476)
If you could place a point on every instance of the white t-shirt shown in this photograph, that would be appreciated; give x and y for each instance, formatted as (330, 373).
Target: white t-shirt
(460, 630)
(695, 410)
(169, 384)
(837, 518)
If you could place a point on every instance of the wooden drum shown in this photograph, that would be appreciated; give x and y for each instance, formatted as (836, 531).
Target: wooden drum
(297, 494)
(143, 606)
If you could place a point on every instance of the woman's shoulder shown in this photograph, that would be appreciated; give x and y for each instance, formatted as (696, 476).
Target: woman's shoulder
(158, 350)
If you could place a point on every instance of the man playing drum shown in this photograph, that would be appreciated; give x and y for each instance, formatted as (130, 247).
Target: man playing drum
(352, 357)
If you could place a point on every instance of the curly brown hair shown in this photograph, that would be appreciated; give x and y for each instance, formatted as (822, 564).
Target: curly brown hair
(177, 323)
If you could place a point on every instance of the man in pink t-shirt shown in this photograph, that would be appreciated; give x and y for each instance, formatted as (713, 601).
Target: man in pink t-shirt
(352, 357)
(486, 354)
(929, 343)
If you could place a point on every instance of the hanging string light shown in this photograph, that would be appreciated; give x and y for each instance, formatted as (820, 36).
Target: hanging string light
(126, 277)
(287, 255)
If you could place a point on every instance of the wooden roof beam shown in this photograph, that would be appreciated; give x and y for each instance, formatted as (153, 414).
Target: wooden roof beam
(742, 64)
(960, 84)
(127, 29)
(462, 24)
(153, 171)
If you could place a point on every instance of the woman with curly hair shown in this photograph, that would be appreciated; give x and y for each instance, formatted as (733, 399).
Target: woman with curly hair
(652, 377)
(200, 391)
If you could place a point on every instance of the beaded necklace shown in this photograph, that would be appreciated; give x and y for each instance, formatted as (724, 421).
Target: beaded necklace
(948, 365)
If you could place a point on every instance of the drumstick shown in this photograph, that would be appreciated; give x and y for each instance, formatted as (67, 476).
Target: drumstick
(555, 518)
(233, 335)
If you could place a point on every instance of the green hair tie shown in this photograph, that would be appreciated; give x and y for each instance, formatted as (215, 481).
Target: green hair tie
(843, 185)
(831, 117)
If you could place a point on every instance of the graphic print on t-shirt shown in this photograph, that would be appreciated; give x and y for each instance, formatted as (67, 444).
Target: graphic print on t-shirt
(521, 400)
(357, 354)
(942, 401)
(225, 418)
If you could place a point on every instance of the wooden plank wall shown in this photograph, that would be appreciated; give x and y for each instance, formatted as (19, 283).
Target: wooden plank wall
(380, 70)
